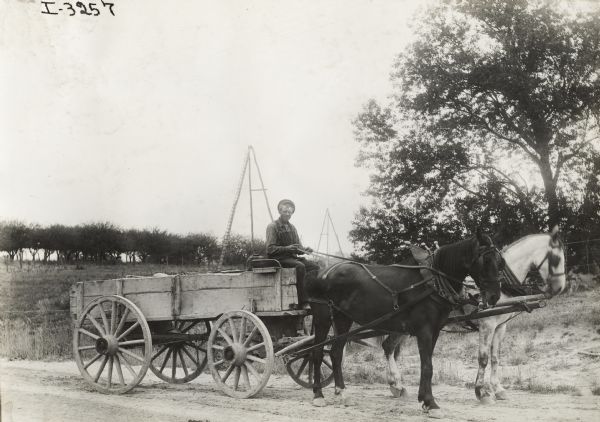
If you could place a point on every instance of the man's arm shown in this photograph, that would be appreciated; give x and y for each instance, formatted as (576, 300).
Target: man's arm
(297, 240)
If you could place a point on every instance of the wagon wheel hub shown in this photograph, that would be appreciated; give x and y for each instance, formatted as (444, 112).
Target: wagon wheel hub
(107, 345)
(236, 353)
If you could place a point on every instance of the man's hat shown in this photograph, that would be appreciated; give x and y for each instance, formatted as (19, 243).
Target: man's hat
(286, 202)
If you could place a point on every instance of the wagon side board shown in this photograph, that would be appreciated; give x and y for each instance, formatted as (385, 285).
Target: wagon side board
(194, 296)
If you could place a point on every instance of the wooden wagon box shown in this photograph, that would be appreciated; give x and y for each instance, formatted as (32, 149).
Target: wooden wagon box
(195, 296)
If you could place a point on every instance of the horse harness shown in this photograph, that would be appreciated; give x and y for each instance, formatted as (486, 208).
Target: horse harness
(437, 282)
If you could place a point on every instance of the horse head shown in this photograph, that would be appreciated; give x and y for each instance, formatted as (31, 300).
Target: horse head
(486, 266)
(551, 266)
(477, 257)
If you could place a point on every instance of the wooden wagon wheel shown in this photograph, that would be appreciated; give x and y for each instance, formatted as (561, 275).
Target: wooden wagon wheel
(240, 354)
(112, 344)
(181, 361)
(300, 368)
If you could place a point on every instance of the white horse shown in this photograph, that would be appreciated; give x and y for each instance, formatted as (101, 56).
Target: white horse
(541, 252)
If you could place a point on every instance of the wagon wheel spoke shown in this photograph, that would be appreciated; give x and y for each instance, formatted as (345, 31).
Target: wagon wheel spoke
(242, 330)
(234, 334)
(188, 328)
(245, 376)
(119, 370)
(127, 365)
(225, 337)
(227, 372)
(160, 352)
(189, 355)
(236, 378)
(255, 347)
(328, 363)
(183, 364)
(132, 342)
(104, 319)
(174, 365)
(110, 371)
(113, 316)
(102, 365)
(162, 367)
(302, 366)
(87, 333)
(98, 356)
(255, 359)
(251, 336)
(310, 371)
(133, 355)
(122, 322)
(129, 330)
(196, 347)
(96, 324)
(86, 348)
(252, 370)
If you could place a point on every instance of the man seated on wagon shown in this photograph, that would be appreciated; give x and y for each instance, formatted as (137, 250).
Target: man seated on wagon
(283, 244)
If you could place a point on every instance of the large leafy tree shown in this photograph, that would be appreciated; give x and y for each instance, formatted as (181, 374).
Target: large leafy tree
(494, 118)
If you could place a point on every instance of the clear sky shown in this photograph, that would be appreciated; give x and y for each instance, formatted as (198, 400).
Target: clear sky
(143, 119)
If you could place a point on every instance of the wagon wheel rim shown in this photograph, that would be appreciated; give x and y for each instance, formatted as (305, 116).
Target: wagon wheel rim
(112, 344)
(181, 362)
(240, 354)
(300, 369)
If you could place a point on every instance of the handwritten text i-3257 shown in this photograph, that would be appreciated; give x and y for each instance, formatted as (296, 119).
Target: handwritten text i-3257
(71, 9)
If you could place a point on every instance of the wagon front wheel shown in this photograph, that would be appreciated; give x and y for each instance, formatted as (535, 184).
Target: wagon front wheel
(300, 368)
(112, 344)
(240, 354)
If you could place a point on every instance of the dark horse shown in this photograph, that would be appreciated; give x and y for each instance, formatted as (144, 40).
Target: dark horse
(398, 300)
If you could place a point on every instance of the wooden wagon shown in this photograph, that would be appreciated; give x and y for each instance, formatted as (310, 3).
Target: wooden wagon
(234, 322)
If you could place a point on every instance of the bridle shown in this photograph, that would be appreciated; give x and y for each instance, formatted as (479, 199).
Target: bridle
(551, 273)
(486, 250)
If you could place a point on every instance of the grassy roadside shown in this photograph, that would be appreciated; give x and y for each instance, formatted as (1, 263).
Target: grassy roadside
(34, 304)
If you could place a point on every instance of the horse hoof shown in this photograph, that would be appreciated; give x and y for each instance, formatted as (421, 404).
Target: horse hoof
(436, 414)
(319, 402)
(487, 400)
(501, 395)
(399, 393)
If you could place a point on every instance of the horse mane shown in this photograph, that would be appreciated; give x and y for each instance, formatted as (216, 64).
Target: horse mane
(529, 236)
(450, 257)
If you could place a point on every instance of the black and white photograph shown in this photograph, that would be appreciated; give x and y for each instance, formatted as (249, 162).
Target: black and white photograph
(278, 211)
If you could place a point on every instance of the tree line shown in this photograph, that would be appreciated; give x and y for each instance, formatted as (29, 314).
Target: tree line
(105, 242)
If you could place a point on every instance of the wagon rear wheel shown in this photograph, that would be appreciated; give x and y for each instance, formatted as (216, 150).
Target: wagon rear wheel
(240, 354)
(112, 344)
(178, 360)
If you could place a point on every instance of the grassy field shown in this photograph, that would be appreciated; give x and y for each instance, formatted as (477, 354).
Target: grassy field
(551, 350)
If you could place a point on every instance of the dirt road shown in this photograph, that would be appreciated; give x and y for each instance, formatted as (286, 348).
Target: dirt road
(54, 391)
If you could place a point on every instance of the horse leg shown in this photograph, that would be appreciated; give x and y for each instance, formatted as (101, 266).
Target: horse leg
(322, 324)
(342, 325)
(499, 391)
(487, 327)
(391, 349)
(425, 341)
